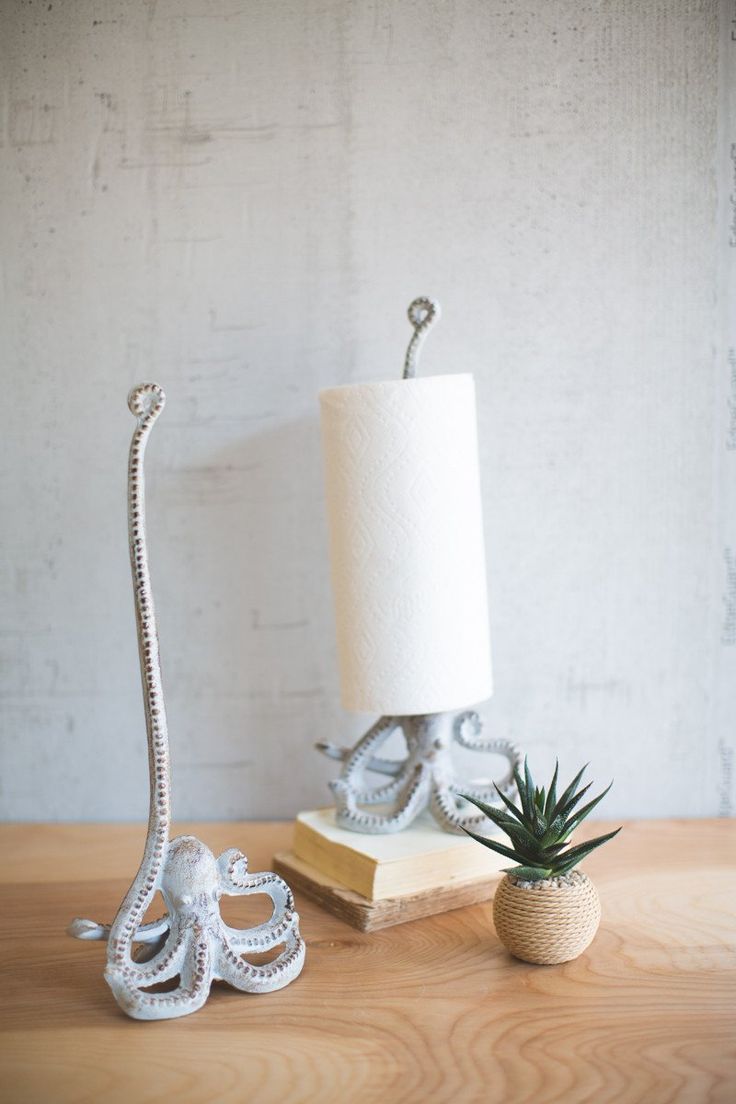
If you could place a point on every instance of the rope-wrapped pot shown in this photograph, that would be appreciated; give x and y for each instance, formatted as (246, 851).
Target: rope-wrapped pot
(548, 921)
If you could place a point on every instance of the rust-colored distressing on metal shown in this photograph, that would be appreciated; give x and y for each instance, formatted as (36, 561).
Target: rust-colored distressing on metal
(190, 941)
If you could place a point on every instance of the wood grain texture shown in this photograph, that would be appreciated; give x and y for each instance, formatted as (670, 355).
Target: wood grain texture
(432, 1010)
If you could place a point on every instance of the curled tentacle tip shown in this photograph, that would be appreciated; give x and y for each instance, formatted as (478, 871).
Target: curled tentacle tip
(423, 311)
(85, 929)
(231, 858)
(146, 399)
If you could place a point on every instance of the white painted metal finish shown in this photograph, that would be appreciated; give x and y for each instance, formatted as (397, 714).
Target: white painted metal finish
(190, 941)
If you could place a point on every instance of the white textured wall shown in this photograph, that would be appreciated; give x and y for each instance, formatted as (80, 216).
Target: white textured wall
(239, 199)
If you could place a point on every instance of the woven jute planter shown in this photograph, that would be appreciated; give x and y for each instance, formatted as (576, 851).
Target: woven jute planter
(549, 921)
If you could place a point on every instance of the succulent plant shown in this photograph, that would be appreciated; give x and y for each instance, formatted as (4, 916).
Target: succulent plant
(540, 829)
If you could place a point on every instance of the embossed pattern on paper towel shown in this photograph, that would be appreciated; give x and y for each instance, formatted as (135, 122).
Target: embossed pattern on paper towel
(407, 544)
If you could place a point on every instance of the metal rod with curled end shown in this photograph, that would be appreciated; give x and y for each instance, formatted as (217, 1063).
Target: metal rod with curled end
(191, 939)
(425, 777)
(423, 313)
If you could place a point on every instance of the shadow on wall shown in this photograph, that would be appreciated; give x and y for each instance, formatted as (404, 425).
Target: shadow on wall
(247, 635)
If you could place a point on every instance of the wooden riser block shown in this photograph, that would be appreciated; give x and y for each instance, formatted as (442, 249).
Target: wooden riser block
(369, 916)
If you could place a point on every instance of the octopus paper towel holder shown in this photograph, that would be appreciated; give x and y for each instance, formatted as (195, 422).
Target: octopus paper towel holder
(426, 777)
(190, 941)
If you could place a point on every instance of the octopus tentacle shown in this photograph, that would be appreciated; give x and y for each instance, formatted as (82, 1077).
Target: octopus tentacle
(473, 741)
(469, 719)
(266, 977)
(360, 756)
(379, 795)
(146, 933)
(410, 802)
(481, 792)
(236, 878)
(146, 402)
(447, 812)
(164, 965)
(263, 937)
(196, 979)
(359, 761)
(375, 764)
(284, 919)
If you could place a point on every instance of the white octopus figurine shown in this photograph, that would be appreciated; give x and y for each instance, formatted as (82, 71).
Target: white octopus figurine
(425, 778)
(191, 940)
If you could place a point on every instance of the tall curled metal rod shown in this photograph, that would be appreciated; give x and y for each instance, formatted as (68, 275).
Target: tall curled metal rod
(146, 402)
(423, 313)
(190, 940)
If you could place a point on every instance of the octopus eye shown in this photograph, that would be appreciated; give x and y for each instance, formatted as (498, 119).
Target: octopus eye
(187, 899)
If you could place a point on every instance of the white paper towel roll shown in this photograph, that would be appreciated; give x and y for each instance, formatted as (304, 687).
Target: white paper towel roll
(406, 544)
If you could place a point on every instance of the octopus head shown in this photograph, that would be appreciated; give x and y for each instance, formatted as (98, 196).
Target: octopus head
(191, 879)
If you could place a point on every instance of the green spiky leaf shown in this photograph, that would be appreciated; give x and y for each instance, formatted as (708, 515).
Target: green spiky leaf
(520, 852)
(492, 811)
(526, 804)
(528, 780)
(519, 835)
(494, 845)
(552, 793)
(509, 804)
(571, 789)
(540, 828)
(540, 824)
(555, 832)
(567, 808)
(586, 809)
(528, 873)
(571, 858)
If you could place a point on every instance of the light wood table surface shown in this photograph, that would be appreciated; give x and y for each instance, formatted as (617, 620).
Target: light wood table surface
(433, 1010)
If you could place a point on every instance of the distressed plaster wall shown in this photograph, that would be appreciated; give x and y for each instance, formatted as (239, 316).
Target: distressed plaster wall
(239, 200)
